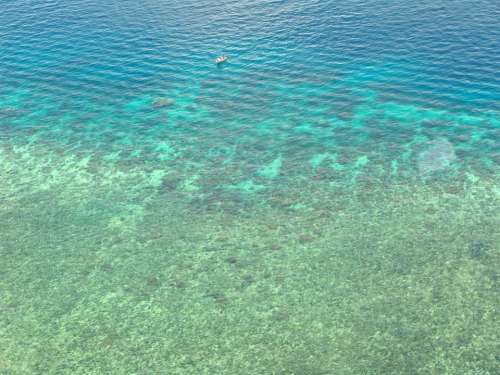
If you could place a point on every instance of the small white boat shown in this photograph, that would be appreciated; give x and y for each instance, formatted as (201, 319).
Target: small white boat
(221, 59)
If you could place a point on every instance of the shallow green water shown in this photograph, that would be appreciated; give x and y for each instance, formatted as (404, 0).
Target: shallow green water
(327, 202)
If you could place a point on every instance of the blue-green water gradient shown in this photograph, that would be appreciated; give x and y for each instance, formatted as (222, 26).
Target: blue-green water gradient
(324, 202)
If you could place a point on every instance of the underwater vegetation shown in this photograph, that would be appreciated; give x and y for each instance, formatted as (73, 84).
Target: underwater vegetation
(327, 202)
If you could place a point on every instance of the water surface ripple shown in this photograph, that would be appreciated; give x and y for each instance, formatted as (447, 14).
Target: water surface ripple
(325, 202)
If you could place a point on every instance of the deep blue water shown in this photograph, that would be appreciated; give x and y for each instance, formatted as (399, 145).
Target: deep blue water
(114, 120)
(299, 73)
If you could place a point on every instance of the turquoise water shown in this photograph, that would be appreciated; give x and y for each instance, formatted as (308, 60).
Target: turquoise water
(325, 202)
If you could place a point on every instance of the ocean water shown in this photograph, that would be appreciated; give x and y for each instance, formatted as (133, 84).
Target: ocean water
(325, 202)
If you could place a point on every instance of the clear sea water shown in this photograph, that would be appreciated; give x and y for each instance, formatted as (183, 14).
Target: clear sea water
(325, 202)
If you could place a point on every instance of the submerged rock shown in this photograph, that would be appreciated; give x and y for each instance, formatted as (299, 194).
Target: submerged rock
(163, 102)
(170, 182)
(8, 111)
(478, 249)
(306, 238)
